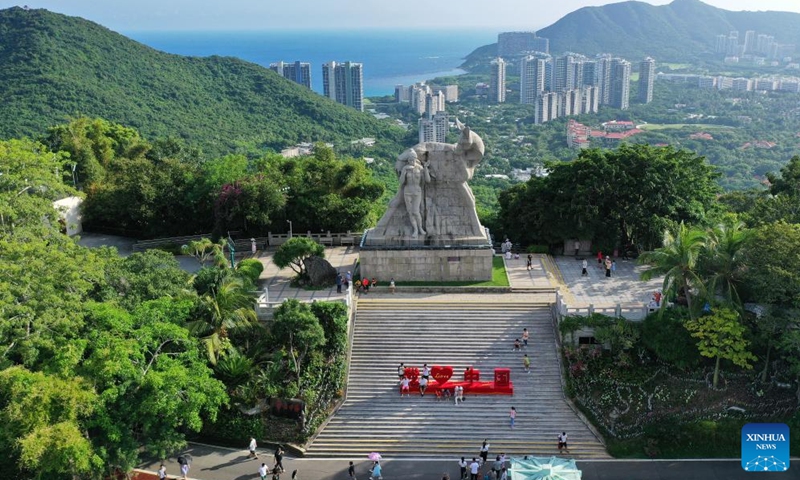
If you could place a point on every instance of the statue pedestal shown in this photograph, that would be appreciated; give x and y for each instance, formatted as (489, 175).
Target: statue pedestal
(436, 261)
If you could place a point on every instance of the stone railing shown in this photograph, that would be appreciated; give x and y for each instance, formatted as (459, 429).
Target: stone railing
(243, 245)
(633, 311)
(265, 305)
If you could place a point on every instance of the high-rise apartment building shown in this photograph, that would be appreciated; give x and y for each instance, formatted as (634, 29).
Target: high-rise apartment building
(591, 100)
(546, 108)
(564, 73)
(531, 79)
(749, 41)
(435, 128)
(647, 76)
(344, 83)
(589, 73)
(418, 97)
(620, 83)
(604, 79)
(401, 94)
(434, 103)
(298, 72)
(497, 85)
(450, 92)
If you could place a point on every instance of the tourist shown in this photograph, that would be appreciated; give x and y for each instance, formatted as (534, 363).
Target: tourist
(253, 247)
(516, 345)
(463, 466)
(278, 456)
(503, 458)
(162, 472)
(253, 445)
(614, 267)
(404, 387)
(458, 394)
(294, 474)
(608, 266)
(497, 466)
(263, 471)
(526, 363)
(562, 442)
(445, 476)
(338, 283)
(365, 284)
(530, 262)
(600, 257)
(446, 394)
(438, 395)
(504, 474)
(508, 255)
(484, 451)
(376, 471)
(184, 469)
(474, 467)
(358, 286)
(392, 286)
(426, 372)
(584, 267)
(512, 415)
(374, 282)
(423, 384)
(577, 247)
(351, 471)
(276, 473)
(525, 337)
(347, 279)
(401, 371)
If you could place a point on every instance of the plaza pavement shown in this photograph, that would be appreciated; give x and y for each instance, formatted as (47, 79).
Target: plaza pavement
(215, 463)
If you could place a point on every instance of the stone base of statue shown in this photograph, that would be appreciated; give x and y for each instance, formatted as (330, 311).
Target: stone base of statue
(436, 261)
(431, 230)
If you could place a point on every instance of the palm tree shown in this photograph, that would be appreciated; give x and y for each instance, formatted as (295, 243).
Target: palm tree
(229, 306)
(677, 261)
(722, 264)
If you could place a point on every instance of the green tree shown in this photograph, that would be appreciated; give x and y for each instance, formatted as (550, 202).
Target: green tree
(228, 307)
(789, 345)
(294, 251)
(205, 250)
(676, 260)
(297, 329)
(788, 183)
(722, 261)
(773, 265)
(721, 336)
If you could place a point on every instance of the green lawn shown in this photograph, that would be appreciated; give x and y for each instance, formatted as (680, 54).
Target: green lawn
(675, 126)
(676, 66)
(499, 279)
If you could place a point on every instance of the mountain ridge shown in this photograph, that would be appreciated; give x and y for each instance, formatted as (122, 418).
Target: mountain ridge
(53, 67)
(667, 32)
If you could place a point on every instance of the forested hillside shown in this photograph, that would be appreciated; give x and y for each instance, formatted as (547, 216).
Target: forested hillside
(54, 67)
(678, 31)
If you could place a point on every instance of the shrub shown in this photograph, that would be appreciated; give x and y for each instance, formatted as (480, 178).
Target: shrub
(250, 269)
(664, 334)
(538, 249)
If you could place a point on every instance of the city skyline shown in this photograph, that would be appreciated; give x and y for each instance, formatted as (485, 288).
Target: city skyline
(203, 15)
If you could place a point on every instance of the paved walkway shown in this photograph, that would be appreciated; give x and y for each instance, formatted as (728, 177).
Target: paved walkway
(520, 277)
(212, 463)
(624, 286)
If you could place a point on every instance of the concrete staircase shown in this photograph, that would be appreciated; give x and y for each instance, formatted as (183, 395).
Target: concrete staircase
(460, 331)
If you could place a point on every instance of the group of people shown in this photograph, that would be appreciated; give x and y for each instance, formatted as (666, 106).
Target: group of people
(610, 265)
(263, 470)
(424, 377)
(361, 286)
(526, 361)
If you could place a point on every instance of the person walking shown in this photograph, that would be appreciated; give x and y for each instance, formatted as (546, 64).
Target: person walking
(613, 267)
(463, 466)
(526, 363)
(530, 262)
(162, 472)
(392, 286)
(562, 442)
(263, 471)
(512, 415)
(401, 371)
(584, 268)
(497, 466)
(279, 458)
(338, 283)
(484, 450)
(253, 246)
(504, 474)
(376, 472)
(185, 470)
(599, 257)
(252, 447)
(351, 471)
(348, 277)
(474, 467)
(608, 266)
(577, 246)
(525, 336)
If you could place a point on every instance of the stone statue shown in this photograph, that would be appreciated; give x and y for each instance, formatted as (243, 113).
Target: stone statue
(439, 205)
(411, 178)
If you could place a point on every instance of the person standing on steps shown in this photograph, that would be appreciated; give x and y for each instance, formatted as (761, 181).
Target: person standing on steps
(484, 450)
(512, 416)
(525, 336)
(404, 387)
(423, 384)
(401, 371)
(530, 262)
(526, 363)
(562, 442)
(351, 471)
(426, 372)
(516, 344)
(474, 467)
(463, 466)
(584, 267)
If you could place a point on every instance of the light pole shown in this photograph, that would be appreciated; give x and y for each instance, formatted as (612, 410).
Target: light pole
(290, 227)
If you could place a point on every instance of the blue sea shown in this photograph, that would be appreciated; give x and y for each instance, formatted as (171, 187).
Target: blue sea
(390, 57)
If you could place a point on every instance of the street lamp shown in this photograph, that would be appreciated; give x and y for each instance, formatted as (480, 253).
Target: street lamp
(290, 227)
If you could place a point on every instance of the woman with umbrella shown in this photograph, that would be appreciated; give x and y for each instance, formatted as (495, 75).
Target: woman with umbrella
(375, 471)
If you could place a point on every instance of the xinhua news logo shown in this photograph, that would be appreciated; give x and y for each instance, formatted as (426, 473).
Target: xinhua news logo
(765, 447)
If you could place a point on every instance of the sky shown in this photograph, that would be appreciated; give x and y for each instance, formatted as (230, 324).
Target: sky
(137, 15)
